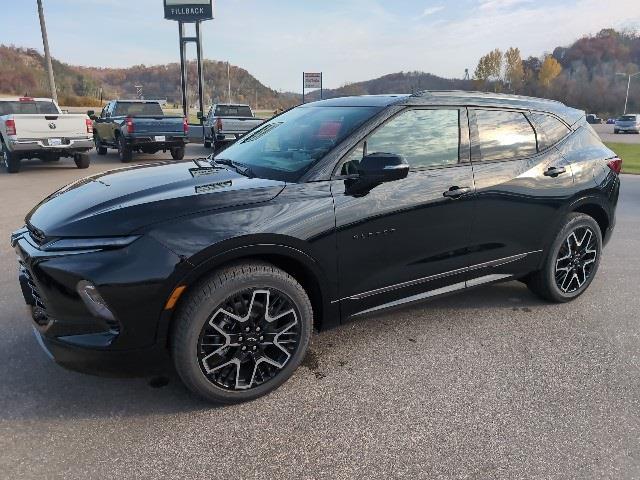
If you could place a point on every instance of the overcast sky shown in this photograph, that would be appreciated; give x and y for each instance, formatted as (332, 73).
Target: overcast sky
(349, 40)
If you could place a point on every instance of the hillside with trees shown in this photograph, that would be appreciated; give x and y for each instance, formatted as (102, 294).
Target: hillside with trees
(583, 75)
(86, 85)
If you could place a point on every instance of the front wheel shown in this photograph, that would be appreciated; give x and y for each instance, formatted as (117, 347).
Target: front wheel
(572, 261)
(241, 333)
(177, 153)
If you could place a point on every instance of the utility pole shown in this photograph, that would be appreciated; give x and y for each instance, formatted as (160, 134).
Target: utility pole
(229, 82)
(47, 54)
(626, 99)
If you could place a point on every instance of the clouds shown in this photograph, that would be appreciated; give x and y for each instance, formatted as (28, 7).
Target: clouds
(349, 40)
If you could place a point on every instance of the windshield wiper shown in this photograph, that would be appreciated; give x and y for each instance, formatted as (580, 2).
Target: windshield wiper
(237, 166)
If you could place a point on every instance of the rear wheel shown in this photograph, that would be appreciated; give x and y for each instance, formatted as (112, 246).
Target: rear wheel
(207, 144)
(124, 151)
(10, 161)
(572, 261)
(100, 148)
(242, 332)
(177, 153)
(82, 160)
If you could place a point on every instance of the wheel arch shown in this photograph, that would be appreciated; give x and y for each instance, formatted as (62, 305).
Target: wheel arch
(593, 207)
(301, 266)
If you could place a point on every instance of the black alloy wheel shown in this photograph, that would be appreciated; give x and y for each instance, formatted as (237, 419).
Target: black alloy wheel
(576, 259)
(249, 339)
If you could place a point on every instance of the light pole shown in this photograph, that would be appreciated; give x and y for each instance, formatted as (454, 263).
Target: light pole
(628, 84)
(47, 54)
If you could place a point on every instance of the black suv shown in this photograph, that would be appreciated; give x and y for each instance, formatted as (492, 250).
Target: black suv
(330, 210)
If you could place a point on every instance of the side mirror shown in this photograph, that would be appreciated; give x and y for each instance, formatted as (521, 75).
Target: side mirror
(383, 167)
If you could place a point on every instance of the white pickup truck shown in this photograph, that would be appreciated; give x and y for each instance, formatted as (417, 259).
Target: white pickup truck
(226, 122)
(36, 128)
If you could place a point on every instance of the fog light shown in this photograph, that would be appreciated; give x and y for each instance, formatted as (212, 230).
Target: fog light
(93, 300)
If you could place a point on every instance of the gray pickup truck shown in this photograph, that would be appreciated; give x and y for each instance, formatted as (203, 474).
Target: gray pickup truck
(138, 125)
(226, 122)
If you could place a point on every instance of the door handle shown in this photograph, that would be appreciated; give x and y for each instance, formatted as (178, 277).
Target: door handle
(554, 171)
(456, 192)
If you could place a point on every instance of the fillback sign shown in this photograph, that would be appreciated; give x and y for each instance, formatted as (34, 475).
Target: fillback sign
(188, 10)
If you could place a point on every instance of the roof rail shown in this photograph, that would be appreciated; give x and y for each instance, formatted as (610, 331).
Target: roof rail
(425, 93)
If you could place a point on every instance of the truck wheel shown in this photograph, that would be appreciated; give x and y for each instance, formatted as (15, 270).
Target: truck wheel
(177, 153)
(241, 332)
(9, 160)
(82, 160)
(207, 144)
(101, 149)
(124, 151)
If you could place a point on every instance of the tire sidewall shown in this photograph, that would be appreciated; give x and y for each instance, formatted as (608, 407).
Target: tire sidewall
(187, 362)
(574, 222)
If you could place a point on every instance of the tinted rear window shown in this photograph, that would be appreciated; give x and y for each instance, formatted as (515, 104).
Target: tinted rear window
(627, 118)
(233, 111)
(137, 108)
(550, 130)
(504, 135)
(43, 108)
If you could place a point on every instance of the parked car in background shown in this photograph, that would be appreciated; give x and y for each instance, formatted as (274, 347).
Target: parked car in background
(593, 119)
(611, 121)
(627, 124)
(139, 126)
(37, 128)
(226, 122)
(332, 210)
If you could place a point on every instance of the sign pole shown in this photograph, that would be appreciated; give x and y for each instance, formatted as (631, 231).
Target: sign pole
(183, 70)
(200, 76)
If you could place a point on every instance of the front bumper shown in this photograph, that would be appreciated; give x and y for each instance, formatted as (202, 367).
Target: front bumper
(133, 282)
(68, 145)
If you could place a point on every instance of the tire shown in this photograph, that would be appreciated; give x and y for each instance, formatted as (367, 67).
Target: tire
(616, 132)
(177, 153)
(571, 262)
(207, 144)
(101, 149)
(82, 160)
(9, 160)
(203, 318)
(124, 151)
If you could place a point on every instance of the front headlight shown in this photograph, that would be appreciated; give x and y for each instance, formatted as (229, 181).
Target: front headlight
(89, 243)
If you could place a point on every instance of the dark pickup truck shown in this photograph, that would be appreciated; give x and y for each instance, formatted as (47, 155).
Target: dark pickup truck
(138, 125)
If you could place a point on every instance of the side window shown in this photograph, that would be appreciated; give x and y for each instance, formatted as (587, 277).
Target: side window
(425, 138)
(504, 135)
(103, 114)
(550, 130)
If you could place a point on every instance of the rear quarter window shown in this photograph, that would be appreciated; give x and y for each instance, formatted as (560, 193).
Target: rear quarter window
(504, 135)
(550, 130)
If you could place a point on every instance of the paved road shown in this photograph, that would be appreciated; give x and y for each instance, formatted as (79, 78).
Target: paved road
(606, 134)
(492, 384)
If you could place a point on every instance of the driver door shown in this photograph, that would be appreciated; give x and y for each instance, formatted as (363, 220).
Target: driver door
(406, 239)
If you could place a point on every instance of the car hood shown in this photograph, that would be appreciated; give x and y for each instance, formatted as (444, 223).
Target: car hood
(124, 201)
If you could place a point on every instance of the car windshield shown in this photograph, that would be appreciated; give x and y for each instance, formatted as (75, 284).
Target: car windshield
(627, 118)
(28, 107)
(285, 147)
(233, 111)
(137, 108)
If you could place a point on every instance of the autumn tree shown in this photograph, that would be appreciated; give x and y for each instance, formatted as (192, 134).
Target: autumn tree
(513, 69)
(549, 70)
(489, 67)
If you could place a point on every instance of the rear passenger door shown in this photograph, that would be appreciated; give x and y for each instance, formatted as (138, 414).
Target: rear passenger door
(521, 182)
(405, 238)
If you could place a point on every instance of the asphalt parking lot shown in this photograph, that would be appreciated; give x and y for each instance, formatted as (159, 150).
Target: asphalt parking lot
(490, 384)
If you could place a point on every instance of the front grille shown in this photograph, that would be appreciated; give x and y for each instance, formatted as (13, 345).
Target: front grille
(40, 308)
